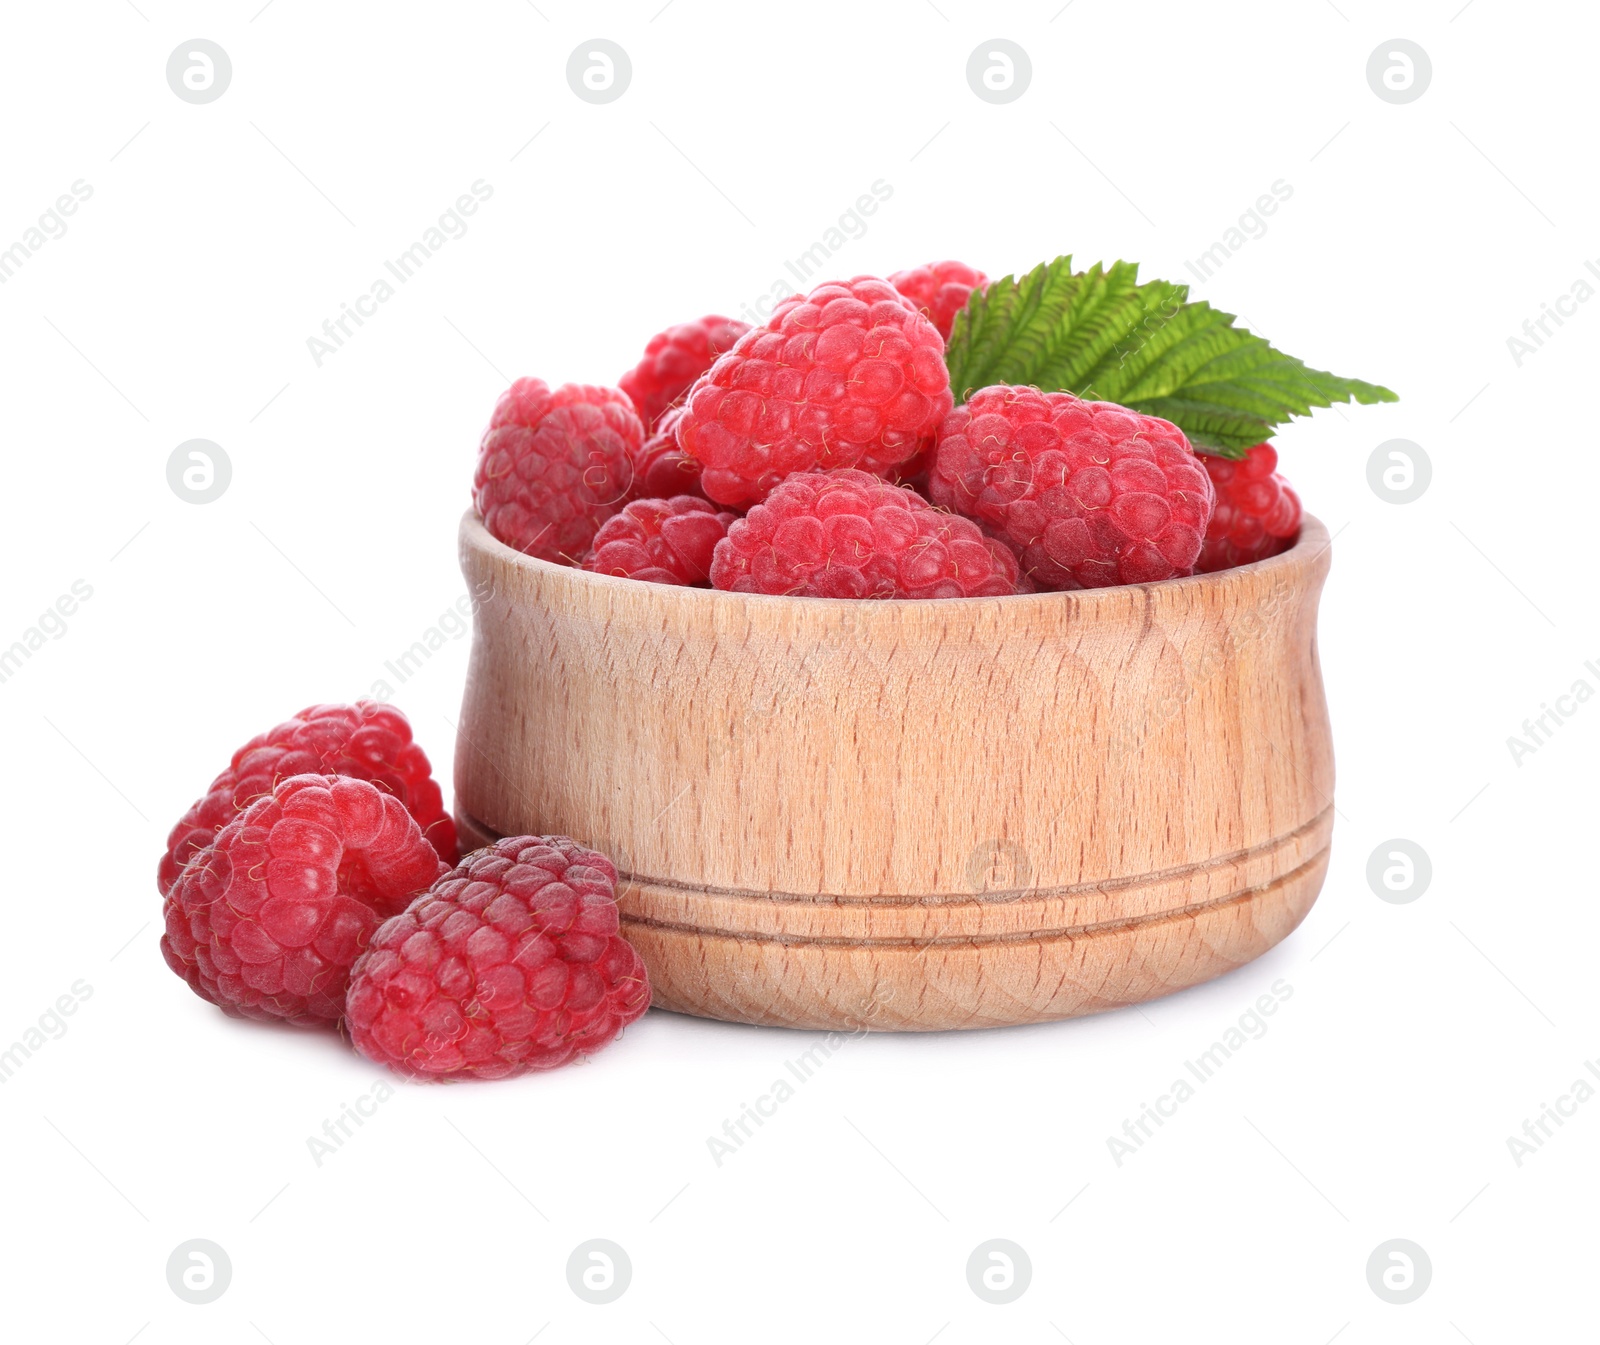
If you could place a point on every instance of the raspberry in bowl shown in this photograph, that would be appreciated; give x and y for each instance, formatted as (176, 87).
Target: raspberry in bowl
(1257, 513)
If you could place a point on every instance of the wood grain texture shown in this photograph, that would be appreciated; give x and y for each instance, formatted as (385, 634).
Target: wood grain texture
(913, 815)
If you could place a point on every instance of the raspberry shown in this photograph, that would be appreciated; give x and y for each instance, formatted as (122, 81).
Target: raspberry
(940, 290)
(365, 741)
(512, 962)
(660, 468)
(662, 541)
(1257, 514)
(553, 466)
(268, 919)
(849, 534)
(1088, 493)
(674, 359)
(850, 375)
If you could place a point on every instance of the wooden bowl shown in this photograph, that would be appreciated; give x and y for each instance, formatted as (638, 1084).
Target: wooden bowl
(913, 815)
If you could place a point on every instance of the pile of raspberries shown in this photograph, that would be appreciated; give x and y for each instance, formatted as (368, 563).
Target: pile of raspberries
(318, 880)
(823, 455)
(318, 883)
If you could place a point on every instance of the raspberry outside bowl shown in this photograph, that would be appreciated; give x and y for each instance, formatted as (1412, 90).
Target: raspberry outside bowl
(913, 815)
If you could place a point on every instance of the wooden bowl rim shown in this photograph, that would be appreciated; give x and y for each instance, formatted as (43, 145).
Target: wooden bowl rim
(1310, 547)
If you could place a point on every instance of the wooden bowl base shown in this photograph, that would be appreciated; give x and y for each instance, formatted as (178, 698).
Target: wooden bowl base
(960, 961)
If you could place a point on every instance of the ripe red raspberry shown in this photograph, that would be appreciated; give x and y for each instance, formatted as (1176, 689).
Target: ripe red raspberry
(1257, 514)
(553, 466)
(940, 290)
(660, 468)
(850, 375)
(267, 921)
(365, 741)
(1088, 493)
(511, 963)
(662, 541)
(849, 534)
(674, 359)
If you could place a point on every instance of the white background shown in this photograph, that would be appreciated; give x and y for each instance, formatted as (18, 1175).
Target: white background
(178, 305)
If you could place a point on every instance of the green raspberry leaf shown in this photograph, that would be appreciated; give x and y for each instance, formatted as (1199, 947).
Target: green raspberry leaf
(1102, 334)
